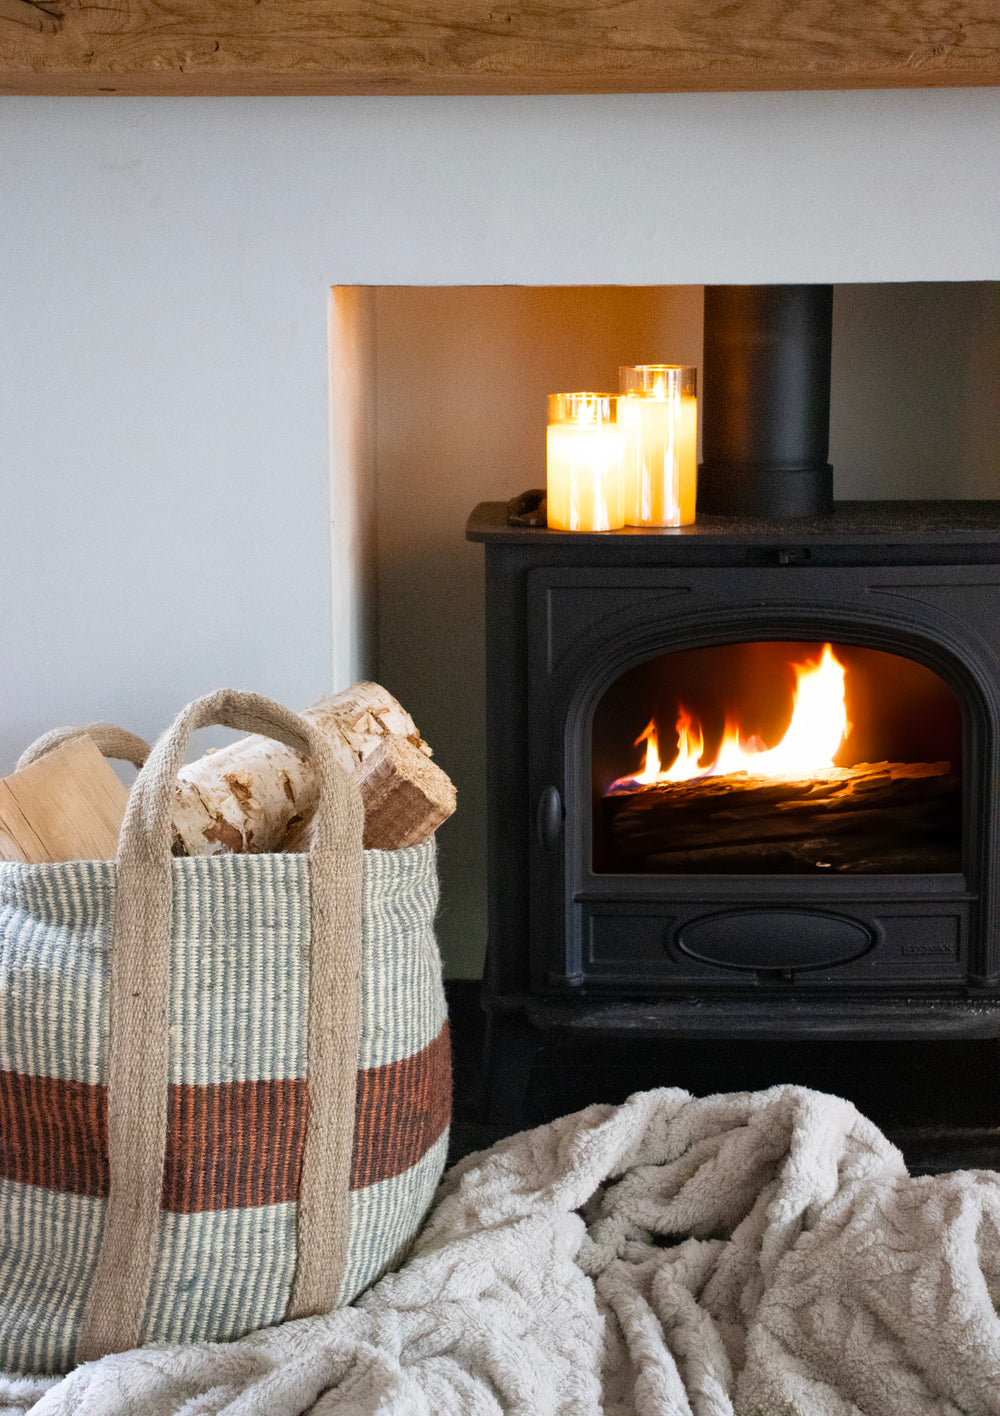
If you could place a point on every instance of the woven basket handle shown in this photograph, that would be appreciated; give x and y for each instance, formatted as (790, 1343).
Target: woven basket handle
(138, 1042)
(147, 831)
(112, 741)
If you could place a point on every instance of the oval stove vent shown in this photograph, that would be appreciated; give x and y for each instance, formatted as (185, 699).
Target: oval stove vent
(774, 939)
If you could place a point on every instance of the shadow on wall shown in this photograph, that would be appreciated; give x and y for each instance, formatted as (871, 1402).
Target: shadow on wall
(914, 407)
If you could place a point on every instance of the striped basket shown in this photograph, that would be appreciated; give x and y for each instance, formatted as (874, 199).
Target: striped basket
(224, 1081)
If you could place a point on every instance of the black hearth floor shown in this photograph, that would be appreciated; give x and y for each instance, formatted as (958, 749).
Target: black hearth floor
(938, 1101)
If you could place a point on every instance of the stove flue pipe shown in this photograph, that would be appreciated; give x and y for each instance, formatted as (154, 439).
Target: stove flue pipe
(766, 401)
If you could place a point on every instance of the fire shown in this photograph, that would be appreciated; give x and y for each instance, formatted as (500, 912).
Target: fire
(818, 727)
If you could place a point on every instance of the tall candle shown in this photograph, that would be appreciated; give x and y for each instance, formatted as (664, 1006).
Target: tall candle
(585, 447)
(659, 414)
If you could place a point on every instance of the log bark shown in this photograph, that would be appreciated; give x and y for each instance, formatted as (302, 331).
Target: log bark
(248, 796)
(871, 817)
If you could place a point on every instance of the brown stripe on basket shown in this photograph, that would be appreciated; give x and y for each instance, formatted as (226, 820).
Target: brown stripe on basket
(401, 1110)
(234, 1145)
(54, 1133)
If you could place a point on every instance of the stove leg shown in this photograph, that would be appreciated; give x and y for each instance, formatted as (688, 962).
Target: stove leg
(509, 1055)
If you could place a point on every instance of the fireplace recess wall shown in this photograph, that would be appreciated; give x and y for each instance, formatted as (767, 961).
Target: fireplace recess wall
(577, 949)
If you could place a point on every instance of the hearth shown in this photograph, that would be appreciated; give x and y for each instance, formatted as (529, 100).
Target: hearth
(743, 897)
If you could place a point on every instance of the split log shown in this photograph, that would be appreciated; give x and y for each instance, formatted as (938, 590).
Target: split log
(406, 798)
(248, 796)
(871, 817)
(66, 805)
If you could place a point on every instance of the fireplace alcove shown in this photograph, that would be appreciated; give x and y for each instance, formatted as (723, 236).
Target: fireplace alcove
(585, 952)
(465, 372)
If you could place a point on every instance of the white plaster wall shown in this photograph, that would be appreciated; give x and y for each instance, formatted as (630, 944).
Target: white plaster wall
(164, 276)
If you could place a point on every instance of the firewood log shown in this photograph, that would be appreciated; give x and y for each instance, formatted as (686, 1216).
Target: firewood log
(66, 805)
(406, 798)
(247, 797)
(841, 818)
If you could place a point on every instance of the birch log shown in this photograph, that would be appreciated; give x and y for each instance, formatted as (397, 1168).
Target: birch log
(246, 797)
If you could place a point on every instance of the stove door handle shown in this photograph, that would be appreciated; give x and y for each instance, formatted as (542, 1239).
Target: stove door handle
(549, 818)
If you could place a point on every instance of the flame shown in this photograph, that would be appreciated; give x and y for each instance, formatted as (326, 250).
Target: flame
(818, 727)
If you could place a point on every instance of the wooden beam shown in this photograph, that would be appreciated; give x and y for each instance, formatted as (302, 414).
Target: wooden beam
(26, 12)
(464, 47)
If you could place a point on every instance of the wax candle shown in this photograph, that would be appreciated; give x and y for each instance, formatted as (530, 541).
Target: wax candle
(659, 416)
(585, 447)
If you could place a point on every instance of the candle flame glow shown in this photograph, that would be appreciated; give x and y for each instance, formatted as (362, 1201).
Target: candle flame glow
(587, 412)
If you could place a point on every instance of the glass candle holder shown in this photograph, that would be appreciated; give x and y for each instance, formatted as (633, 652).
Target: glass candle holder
(585, 450)
(659, 417)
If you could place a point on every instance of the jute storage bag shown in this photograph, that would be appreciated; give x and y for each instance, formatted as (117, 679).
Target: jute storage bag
(224, 1081)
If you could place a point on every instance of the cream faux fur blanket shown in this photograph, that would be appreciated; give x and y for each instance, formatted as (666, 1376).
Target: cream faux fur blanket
(762, 1253)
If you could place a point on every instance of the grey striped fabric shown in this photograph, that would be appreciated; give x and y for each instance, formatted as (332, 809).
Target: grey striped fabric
(402, 998)
(255, 1247)
(386, 1209)
(238, 1029)
(239, 987)
(55, 933)
(47, 1261)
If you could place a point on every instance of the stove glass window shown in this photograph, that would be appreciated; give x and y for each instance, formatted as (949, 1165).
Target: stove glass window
(777, 757)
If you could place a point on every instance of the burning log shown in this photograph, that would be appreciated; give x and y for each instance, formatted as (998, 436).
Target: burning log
(885, 816)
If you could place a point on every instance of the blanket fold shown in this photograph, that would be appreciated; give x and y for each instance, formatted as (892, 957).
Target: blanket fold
(753, 1254)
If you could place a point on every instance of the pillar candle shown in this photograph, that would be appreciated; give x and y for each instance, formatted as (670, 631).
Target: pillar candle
(659, 415)
(585, 447)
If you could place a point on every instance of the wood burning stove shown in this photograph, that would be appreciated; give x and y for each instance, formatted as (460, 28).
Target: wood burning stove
(668, 855)
(882, 924)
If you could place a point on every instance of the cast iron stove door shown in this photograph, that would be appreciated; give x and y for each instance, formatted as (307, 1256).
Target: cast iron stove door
(664, 862)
